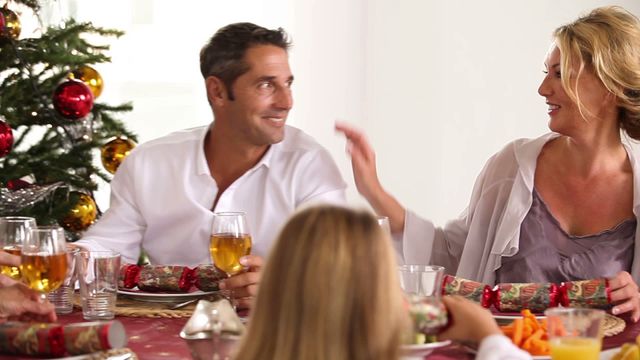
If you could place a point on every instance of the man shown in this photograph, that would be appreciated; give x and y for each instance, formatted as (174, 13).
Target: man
(165, 192)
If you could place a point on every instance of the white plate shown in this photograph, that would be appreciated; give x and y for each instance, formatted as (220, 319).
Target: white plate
(162, 297)
(421, 350)
(507, 319)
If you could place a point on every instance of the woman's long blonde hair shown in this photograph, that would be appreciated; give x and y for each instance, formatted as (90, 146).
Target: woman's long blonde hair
(607, 42)
(329, 291)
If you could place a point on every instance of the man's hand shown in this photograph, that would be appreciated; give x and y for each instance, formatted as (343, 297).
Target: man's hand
(624, 293)
(243, 287)
(18, 302)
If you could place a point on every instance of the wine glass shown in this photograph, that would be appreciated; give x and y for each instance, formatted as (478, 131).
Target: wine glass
(44, 259)
(383, 221)
(13, 231)
(230, 240)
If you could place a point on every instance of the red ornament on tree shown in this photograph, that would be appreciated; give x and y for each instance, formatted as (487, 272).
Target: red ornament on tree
(6, 138)
(17, 184)
(73, 99)
(2, 22)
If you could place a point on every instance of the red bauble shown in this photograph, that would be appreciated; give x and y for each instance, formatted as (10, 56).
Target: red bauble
(17, 184)
(73, 99)
(2, 23)
(6, 138)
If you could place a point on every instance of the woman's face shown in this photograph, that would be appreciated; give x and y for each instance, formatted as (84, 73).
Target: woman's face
(598, 104)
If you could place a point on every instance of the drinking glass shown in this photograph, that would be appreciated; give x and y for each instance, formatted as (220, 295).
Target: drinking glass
(383, 221)
(230, 240)
(44, 259)
(13, 231)
(421, 280)
(62, 298)
(422, 285)
(98, 277)
(575, 333)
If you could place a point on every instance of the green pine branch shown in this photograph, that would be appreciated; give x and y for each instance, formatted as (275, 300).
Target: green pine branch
(46, 147)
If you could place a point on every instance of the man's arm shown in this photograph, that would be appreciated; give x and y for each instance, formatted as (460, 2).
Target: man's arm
(121, 228)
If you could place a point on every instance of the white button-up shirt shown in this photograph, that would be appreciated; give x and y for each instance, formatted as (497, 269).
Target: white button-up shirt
(162, 194)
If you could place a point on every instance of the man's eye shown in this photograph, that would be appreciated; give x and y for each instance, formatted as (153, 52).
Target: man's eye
(265, 85)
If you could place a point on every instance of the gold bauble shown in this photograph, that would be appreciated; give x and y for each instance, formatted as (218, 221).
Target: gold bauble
(90, 77)
(82, 215)
(114, 152)
(12, 25)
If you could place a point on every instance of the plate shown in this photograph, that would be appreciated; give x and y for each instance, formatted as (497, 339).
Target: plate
(140, 295)
(507, 318)
(421, 350)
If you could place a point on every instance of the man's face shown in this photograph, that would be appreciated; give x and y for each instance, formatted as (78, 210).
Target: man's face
(262, 97)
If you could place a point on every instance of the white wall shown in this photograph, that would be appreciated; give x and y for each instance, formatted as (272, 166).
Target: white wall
(438, 85)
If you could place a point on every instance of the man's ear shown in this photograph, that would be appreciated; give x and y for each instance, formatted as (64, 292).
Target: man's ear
(216, 91)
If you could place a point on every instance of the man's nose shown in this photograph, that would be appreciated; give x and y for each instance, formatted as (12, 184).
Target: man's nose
(284, 98)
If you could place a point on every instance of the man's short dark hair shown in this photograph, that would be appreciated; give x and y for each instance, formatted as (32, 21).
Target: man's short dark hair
(223, 55)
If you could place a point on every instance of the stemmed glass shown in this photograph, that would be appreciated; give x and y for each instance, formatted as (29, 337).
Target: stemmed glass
(422, 285)
(44, 259)
(230, 240)
(13, 231)
(383, 221)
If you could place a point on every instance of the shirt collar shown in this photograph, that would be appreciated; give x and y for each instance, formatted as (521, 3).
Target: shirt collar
(203, 166)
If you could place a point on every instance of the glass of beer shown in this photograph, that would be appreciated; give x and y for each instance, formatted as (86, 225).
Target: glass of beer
(13, 231)
(44, 259)
(230, 240)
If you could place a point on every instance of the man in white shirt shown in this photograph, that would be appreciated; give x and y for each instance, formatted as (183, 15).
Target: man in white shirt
(165, 192)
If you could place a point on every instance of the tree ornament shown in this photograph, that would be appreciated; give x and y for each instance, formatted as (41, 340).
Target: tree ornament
(17, 184)
(11, 27)
(73, 99)
(90, 77)
(6, 138)
(2, 22)
(114, 152)
(14, 201)
(82, 215)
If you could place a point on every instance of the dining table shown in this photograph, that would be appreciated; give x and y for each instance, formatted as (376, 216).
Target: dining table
(154, 335)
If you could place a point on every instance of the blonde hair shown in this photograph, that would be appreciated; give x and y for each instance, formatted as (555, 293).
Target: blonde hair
(329, 291)
(606, 41)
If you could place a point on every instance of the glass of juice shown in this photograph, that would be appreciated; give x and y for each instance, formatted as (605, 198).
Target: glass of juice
(575, 333)
(13, 231)
(230, 240)
(44, 259)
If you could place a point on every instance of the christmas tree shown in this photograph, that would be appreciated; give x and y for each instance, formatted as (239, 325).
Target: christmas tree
(51, 124)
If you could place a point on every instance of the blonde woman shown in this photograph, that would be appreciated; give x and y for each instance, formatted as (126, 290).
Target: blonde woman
(328, 291)
(560, 207)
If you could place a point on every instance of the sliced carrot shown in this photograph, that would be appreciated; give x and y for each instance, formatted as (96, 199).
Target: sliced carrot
(518, 327)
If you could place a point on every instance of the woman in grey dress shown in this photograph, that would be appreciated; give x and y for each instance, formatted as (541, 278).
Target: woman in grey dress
(560, 207)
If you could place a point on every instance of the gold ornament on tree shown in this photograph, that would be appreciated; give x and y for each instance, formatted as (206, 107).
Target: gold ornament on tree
(82, 215)
(12, 25)
(114, 152)
(90, 77)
